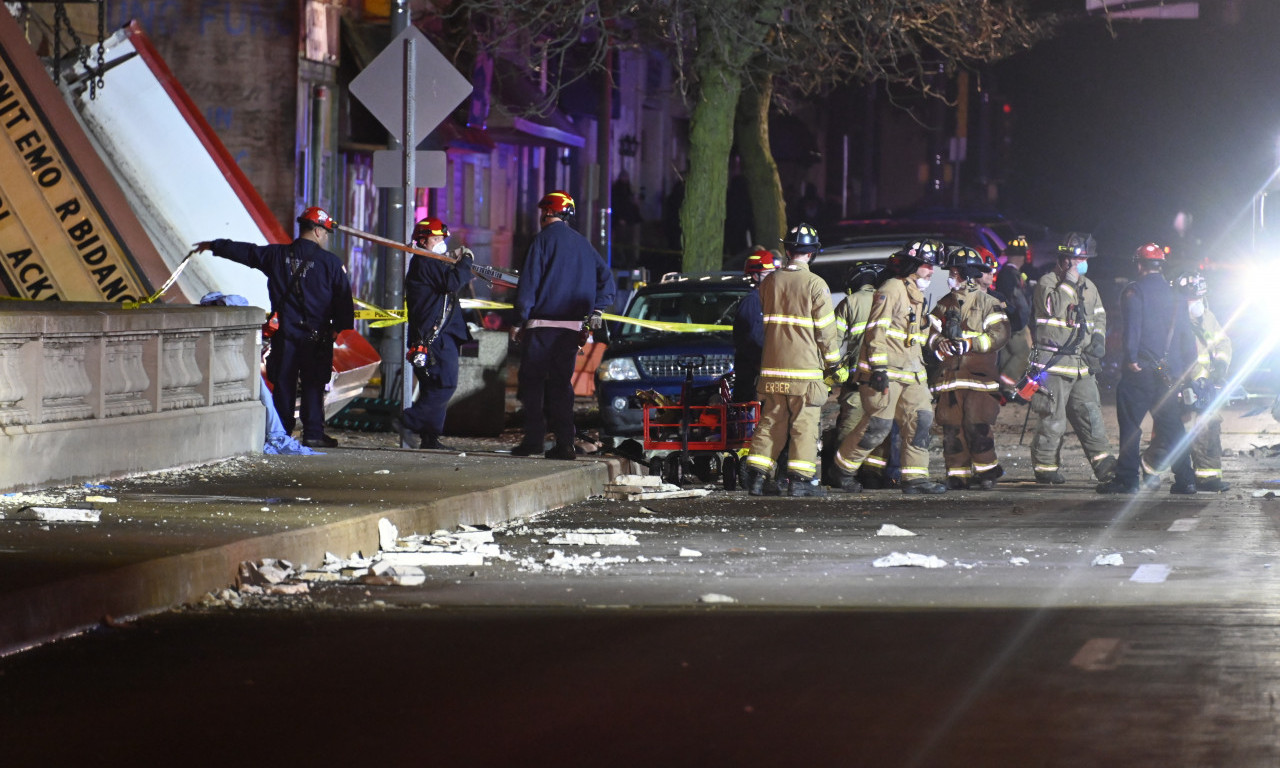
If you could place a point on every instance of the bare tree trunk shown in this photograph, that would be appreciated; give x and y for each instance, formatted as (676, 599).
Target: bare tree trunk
(752, 133)
(707, 183)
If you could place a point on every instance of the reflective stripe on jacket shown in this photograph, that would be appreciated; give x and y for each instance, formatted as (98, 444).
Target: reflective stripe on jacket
(800, 339)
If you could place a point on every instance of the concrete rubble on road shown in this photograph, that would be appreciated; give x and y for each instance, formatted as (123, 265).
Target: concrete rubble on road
(646, 487)
(909, 559)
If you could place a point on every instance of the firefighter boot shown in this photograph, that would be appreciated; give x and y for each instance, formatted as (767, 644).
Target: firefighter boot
(806, 486)
(923, 486)
(846, 482)
(755, 482)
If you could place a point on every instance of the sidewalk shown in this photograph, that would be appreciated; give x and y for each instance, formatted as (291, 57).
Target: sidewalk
(169, 538)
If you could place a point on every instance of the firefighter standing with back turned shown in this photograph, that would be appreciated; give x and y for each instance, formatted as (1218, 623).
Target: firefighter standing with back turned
(564, 282)
(801, 348)
(435, 331)
(891, 371)
(968, 328)
(1070, 341)
(311, 296)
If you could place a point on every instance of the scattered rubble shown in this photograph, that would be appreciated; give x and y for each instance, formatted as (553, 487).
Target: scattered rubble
(910, 559)
(714, 598)
(645, 487)
(78, 513)
(1115, 558)
(889, 529)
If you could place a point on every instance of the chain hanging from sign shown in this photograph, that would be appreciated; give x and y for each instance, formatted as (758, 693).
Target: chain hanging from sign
(61, 21)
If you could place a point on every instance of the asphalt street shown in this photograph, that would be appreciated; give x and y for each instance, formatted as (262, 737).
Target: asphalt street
(733, 631)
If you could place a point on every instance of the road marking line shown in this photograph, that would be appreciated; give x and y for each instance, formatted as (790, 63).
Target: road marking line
(1185, 524)
(1151, 573)
(1099, 653)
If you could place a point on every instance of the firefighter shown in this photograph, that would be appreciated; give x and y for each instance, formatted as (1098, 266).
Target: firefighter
(564, 284)
(1070, 332)
(311, 297)
(801, 349)
(435, 331)
(1208, 377)
(851, 324)
(1011, 286)
(1158, 351)
(968, 328)
(891, 373)
(748, 328)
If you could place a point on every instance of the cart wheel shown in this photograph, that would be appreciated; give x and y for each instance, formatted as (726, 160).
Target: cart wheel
(673, 470)
(729, 471)
(707, 467)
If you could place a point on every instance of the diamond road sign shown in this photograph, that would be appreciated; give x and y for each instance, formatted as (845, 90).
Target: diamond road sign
(439, 87)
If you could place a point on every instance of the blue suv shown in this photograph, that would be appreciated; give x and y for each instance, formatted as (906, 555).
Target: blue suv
(640, 358)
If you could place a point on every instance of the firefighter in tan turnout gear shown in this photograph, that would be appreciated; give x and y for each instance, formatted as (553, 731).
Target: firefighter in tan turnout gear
(892, 375)
(801, 348)
(1070, 342)
(968, 328)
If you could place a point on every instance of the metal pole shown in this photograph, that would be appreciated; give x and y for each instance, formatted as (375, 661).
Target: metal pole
(392, 348)
(410, 146)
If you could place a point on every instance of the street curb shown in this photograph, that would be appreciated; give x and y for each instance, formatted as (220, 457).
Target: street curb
(61, 609)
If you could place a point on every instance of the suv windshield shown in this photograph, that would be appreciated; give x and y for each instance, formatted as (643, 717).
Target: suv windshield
(701, 307)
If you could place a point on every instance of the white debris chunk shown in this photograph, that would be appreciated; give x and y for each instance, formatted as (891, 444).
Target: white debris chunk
(1151, 573)
(909, 559)
(716, 598)
(1264, 494)
(100, 499)
(387, 534)
(1115, 558)
(686, 552)
(421, 559)
(602, 538)
(889, 529)
(1019, 561)
(58, 515)
(638, 481)
(564, 562)
(319, 575)
(644, 493)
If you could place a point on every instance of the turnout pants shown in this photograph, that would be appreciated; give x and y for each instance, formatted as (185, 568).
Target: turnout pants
(788, 409)
(1206, 448)
(545, 383)
(907, 403)
(967, 417)
(878, 462)
(1061, 401)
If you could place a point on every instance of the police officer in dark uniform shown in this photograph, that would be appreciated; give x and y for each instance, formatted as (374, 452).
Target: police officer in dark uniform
(311, 296)
(436, 330)
(564, 283)
(1158, 348)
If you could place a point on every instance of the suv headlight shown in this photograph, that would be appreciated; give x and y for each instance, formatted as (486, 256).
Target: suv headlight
(618, 369)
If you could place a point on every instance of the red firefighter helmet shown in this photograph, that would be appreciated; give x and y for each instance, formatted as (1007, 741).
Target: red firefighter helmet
(558, 204)
(429, 227)
(1149, 252)
(759, 262)
(317, 216)
(989, 259)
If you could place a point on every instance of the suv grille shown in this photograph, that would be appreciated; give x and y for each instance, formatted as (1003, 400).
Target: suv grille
(668, 365)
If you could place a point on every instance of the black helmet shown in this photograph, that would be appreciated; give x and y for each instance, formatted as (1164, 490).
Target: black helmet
(1077, 245)
(1191, 285)
(966, 260)
(802, 238)
(908, 259)
(1017, 246)
(865, 273)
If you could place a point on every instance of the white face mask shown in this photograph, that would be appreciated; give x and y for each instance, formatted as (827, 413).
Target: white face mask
(957, 283)
(922, 283)
(439, 248)
(1196, 308)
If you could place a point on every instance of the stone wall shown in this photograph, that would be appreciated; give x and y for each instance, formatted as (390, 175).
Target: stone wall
(94, 391)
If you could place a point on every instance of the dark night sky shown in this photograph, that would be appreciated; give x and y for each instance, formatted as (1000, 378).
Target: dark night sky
(1116, 133)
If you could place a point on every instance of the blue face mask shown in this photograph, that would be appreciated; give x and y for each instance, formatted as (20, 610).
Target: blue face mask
(1082, 267)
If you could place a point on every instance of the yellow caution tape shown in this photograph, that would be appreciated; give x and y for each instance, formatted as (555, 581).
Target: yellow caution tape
(383, 317)
(167, 283)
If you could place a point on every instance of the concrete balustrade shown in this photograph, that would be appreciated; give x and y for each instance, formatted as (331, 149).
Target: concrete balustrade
(94, 391)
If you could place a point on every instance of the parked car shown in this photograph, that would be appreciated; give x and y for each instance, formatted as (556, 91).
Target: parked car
(643, 358)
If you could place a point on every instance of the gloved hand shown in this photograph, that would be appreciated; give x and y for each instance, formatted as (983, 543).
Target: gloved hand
(465, 258)
(595, 320)
(515, 334)
(834, 376)
(879, 380)
(1097, 346)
